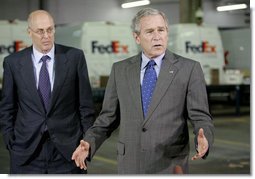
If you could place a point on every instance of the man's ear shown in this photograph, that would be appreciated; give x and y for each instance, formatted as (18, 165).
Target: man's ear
(136, 37)
(29, 32)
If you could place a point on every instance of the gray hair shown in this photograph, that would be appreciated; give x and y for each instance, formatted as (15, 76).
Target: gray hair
(146, 12)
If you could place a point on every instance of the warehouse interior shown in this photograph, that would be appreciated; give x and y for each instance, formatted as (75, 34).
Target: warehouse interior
(228, 72)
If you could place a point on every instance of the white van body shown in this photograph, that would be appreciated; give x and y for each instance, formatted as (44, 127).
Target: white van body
(102, 42)
(13, 38)
(200, 43)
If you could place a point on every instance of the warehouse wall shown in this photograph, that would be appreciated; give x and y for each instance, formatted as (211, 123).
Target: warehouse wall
(67, 11)
(16, 9)
(238, 46)
(97, 10)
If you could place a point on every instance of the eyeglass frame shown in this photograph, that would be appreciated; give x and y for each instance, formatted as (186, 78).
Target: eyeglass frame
(41, 32)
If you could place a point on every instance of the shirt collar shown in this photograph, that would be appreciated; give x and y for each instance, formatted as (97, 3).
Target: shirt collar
(145, 60)
(38, 55)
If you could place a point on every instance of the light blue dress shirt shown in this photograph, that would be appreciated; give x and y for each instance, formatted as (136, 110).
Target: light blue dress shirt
(145, 60)
(36, 57)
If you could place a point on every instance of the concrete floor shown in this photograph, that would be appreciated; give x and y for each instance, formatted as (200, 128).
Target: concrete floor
(229, 155)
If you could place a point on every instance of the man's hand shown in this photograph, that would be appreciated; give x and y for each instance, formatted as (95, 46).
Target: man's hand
(80, 154)
(202, 145)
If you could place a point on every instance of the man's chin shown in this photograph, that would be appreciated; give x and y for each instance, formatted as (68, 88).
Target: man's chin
(158, 52)
(47, 47)
(46, 50)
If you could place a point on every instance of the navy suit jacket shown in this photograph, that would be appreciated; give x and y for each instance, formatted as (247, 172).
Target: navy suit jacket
(22, 115)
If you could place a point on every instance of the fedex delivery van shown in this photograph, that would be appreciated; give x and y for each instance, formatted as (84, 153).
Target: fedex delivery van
(13, 37)
(200, 43)
(102, 42)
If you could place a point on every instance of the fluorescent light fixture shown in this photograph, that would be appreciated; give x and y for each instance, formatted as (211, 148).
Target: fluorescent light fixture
(135, 3)
(232, 7)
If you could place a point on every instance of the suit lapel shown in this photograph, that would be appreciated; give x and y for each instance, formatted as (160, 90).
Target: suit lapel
(133, 79)
(28, 76)
(167, 73)
(60, 75)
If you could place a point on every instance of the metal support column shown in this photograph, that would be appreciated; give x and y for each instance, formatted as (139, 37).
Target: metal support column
(188, 9)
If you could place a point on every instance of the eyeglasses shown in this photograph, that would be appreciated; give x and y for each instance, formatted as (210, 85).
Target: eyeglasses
(42, 32)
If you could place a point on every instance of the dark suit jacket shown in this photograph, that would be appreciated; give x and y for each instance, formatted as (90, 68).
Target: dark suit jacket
(159, 142)
(22, 116)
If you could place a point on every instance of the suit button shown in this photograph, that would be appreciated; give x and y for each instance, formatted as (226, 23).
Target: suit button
(144, 129)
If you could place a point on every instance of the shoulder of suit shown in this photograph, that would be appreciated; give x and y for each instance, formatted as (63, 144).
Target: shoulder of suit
(65, 48)
(130, 60)
(183, 59)
(19, 54)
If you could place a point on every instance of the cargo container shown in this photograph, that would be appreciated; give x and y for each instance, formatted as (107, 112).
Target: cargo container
(103, 44)
(201, 43)
(13, 37)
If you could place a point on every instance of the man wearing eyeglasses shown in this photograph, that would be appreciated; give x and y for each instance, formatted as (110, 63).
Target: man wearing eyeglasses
(46, 104)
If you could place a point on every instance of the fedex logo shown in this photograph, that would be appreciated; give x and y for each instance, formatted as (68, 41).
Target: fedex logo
(113, 47)
(204, 47)
(16, 46)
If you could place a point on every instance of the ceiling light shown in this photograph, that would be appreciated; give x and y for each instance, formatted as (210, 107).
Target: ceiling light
(232, 7)
(135, 3)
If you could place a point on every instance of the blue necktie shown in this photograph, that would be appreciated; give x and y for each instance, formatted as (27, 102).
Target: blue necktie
(44, 83)
(149, 83)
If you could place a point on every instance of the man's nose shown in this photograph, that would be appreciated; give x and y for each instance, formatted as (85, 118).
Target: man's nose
(45, 34)
(156, 36)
